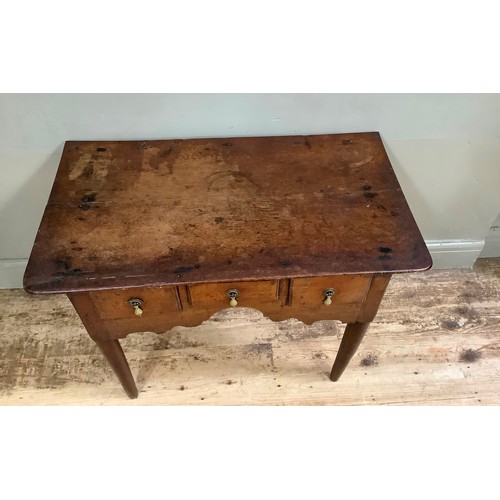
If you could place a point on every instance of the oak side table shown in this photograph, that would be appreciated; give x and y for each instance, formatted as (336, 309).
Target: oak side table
(147, 235)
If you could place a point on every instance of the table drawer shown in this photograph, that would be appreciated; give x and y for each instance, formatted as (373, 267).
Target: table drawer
(113, 304)
(347, 289)
(256, 294)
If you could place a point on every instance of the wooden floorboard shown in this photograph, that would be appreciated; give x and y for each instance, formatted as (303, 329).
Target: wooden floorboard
(435, 341)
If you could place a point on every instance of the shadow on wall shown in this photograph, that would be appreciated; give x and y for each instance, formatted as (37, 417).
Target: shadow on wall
(419, 208)
(21, 215)
(492, 243)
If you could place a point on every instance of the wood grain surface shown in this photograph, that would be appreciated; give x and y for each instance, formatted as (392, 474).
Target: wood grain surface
(435, 341)
(108, 315)
(152, 213)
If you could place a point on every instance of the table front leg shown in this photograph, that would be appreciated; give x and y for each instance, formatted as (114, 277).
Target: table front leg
(111, 348)
(113, 352)
(355, 331)
(353, 335)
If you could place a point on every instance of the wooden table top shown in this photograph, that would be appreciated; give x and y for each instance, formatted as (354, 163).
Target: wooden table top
(152, 213)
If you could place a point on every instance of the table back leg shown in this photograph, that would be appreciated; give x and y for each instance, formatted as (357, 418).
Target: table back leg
(113, 352)
(353, 335)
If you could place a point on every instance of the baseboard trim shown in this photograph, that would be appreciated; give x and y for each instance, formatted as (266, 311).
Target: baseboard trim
(446, 254)
(11, 272)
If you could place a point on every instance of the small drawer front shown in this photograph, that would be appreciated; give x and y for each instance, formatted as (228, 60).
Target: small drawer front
(347, 289)
(257, 294)
(113, 304)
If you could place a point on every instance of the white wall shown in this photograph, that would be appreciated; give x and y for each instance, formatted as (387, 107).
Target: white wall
(445, 149)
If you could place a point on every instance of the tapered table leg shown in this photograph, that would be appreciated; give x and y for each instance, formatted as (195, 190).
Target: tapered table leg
(353, 335)
(113, 352)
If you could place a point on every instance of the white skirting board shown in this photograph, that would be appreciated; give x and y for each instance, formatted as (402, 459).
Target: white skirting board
(446, 254)
(11, 272)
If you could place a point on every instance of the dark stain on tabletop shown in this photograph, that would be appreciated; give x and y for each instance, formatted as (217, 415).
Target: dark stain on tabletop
(62, 263)
(86, 200)
(63, 268)
(89, 198)
(385, 251)
(70, 272)
(369, 195)
(185, 269)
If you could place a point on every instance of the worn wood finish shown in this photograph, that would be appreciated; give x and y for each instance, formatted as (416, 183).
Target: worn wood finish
(212, 297)
(113, 352)
(353, 335)
(114, 304)
(154, 213)
(86, 309)
(434, 341)
(167, 307)
(107, 314)
(120, 328)
(177, 224)
(308, 292)
(369, 308)
(355, 331)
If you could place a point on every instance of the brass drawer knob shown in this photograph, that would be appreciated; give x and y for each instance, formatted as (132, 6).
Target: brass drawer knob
(137, 305)
(232, 294)
(328, 293)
